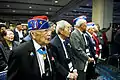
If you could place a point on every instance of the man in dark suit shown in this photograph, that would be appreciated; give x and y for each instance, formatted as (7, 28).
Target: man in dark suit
(18, 33)
(32, 60)
(62, 52)
(78, 43)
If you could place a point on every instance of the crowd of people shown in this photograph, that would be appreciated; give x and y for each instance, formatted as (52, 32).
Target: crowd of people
(47, 51)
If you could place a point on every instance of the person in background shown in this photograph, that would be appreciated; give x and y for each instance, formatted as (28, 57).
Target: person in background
(79, 45)
(53, 27)
(91, 66)
(65, 69)
(8, 36)
(98, 42)
(2, 27)
(7, 44)
(18, 33)
(32, 60)
(25, 30)
(105, 45)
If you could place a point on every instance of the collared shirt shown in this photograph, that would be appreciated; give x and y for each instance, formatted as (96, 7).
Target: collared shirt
(20, 34)
(63, 46)
(90, 37)
(83, 36)
(40, 58)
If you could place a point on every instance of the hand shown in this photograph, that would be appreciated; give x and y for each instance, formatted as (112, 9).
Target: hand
(76, 75)
(91, 60)
(71, 76)
(96, 56)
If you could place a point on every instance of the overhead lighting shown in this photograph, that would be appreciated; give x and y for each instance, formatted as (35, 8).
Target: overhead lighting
(30, 7)
(56, 1)
(87, 4)
(8, 5)
(13, 11)
(46, 13)
(31, 12)
(50, 9)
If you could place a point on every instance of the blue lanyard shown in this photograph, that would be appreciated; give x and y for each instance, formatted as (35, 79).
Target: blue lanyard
(41, 51)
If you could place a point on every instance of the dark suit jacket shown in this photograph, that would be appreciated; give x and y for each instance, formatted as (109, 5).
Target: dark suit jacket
(90, 45)
(62, 68)
(23, 63)
(16, 36)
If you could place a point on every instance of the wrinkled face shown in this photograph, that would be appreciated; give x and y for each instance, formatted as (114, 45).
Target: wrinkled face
(9, 36)
(24, 27)
(42, 37)
(84, 26)
(95, 29)
(2, 29)
(66, 31)
(91, 30)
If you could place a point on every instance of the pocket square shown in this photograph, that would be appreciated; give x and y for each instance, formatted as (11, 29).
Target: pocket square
(31, 54)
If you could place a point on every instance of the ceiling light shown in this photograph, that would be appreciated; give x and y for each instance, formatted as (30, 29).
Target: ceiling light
(56, 1)
(87, 4)
(13, 11)
(46, 12)
(8, 5)
(31, 12)
(50, 8)
(30, 7)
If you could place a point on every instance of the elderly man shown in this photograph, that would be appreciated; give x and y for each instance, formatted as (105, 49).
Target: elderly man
(63, 53)
(32, 60)
(79, 45)
(18, 33)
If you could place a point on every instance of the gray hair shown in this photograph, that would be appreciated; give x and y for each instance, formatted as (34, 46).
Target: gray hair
(79, 22)
(61, 25)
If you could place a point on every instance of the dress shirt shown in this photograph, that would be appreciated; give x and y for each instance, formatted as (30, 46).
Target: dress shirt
(40, 58)
(70, 64)
(20, 34)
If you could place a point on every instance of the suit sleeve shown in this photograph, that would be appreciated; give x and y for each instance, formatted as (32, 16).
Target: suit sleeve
(79, 52)
(12, 67)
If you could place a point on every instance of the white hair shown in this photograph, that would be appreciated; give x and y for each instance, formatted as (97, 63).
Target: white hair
(61, 25)
(79, 22)
(88, 27)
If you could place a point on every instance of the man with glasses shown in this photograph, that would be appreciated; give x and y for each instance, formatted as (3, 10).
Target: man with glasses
(32, 60)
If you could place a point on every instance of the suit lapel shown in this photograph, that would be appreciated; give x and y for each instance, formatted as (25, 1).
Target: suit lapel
(80, 38)
(33, 58)
(60, 47)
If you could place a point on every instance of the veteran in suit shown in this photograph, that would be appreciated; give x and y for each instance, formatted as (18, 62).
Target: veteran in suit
(32, 60)
(62, 52)
(79, 45)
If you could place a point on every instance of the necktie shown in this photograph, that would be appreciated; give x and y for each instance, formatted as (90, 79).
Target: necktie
(66, 42)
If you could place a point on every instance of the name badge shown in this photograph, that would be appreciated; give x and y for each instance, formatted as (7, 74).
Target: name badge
(94, 48)
(70, 66)
(100, 46)
(87, 50)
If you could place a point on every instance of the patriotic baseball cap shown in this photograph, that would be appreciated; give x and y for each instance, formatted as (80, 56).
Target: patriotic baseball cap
(38, 22)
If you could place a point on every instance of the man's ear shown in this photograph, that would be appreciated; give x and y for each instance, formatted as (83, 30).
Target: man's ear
(32, 33)
(61, 31)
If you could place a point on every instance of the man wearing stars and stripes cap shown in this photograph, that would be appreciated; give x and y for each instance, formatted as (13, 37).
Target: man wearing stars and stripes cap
(37, 22)
(32, 60)
(79, 44)
(79, 18)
